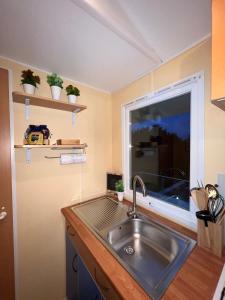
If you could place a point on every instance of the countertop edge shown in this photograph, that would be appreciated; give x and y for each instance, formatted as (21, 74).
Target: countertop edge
(185, 285)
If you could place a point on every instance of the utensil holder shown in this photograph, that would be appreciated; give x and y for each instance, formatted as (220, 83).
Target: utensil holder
(211, 237)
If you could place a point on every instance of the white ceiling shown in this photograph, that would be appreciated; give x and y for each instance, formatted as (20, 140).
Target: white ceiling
(104, 43)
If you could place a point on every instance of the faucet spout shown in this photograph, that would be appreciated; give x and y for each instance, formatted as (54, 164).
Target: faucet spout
(136, 179)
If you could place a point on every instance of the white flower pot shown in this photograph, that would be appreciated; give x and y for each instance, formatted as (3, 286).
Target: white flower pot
(29, 88)
(120, 196)
(56, 92)
(72, 99)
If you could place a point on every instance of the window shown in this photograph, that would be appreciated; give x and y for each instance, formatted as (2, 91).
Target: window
(163, 143)
(160, 149)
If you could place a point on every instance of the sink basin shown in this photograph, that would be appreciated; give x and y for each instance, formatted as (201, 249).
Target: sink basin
(152, 253)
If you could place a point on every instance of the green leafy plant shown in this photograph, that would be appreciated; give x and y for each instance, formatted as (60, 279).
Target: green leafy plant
(119, 186)
(72, 90)
(29, 78)
(54, 80)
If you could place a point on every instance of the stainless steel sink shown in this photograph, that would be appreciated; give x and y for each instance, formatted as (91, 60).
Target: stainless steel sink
(151, 252)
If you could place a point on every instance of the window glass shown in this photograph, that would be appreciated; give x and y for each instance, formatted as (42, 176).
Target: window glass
(160, 152)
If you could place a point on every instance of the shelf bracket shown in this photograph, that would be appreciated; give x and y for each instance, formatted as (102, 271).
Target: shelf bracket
(74, 114)
(28, 155)
(27, 108)
(73, 118)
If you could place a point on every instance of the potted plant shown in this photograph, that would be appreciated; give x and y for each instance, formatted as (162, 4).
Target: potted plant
(29, 81)
(120, 189)
(55, 82)
(72, 93)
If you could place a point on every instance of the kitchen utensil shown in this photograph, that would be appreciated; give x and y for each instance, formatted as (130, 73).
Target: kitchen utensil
(206, 217)
(211, 204)
(218, 207)
(215, 202)
(210, 232)
(212, 191)
(215, 207)
(200, 184)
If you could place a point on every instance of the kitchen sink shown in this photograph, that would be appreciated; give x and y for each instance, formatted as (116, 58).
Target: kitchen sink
(152, 253)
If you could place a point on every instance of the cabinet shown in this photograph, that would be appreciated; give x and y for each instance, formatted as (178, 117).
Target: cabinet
(108, 291)
(71, 271)
(218, 50)
(79, 283)
(87, 288)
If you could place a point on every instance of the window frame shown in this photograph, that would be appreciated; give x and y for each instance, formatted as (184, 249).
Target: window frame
(194, 85)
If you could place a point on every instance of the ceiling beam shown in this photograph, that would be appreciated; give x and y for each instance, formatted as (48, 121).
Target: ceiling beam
(93, 8)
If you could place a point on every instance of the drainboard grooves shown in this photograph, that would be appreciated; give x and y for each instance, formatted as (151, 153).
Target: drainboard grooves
(101, 214)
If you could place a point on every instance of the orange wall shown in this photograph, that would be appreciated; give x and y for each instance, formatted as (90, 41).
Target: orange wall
(218, 49)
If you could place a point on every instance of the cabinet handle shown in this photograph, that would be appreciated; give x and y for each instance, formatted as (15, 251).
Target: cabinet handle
(68, 230)
(102, 287)
(73, 263)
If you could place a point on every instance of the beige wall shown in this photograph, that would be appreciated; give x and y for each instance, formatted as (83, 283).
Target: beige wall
(195, 60)
(44, 187)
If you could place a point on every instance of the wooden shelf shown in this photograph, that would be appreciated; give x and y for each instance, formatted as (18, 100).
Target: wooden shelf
(219, 103)
(52, 147)
(20, 97)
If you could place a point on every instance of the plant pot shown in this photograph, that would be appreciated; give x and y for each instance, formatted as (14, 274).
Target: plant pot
(120, 196)
(72, 99)
(56, 92)
(29, 88)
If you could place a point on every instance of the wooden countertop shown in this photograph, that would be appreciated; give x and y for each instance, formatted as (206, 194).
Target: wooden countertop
(196, 280)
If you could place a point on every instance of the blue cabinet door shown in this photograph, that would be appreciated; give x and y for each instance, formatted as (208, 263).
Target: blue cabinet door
(71, 271)
(87, 288)
(79, 283)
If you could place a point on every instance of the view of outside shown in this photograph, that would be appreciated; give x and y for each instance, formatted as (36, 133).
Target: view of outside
(160, 152)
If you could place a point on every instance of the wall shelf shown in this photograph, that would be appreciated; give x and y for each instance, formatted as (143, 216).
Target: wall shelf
(219, 103)
(52, 147)
(27, 100)
(28, 149)
(19, 97)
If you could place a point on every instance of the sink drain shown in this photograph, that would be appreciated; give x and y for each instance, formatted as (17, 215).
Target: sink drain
(129, 250)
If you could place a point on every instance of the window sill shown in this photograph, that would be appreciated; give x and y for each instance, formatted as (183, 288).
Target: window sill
(166, 210)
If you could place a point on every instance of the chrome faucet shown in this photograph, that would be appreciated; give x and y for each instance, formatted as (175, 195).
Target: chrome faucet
(136, 178)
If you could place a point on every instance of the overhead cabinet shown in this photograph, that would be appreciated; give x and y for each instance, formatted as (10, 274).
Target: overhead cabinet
(218, 53)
